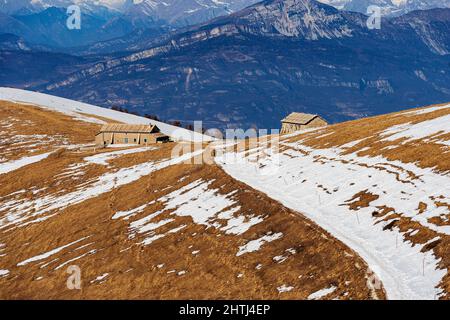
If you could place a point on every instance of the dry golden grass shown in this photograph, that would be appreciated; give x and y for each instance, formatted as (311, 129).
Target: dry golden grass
(424, 154)
(98, 117)
(319, 260)
(31, 121)
(48, 122)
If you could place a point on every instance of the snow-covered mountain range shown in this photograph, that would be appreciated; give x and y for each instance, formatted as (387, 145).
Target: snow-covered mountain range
(390, 7)
(192, 11)
(175, 12)
(41, 22)
(280, 56)
(44, 21)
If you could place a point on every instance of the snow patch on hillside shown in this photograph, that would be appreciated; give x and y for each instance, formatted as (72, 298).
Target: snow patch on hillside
(321, 293)
(322, 183)
(19, 211)
(104, 158)
(205, 205)
(432, 129)
(284, 288)
(82, 111)
(13, 165)
(425, 110)
(49, 253)
(255, 245)
(125, 215)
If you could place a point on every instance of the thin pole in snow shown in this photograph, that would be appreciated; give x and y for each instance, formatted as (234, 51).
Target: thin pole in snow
(423, 266)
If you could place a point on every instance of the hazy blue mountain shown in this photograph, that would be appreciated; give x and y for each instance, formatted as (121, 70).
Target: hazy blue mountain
(44, 20)
(25, 7)
(11, 25)
(138, 39)
(49, 27)
(9, 41)
(432, 27)
(390, 7)
(253, 67)
(28, 68)
(10, 7)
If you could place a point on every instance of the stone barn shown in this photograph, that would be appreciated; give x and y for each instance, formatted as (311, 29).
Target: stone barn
(300, 121)
(115, 133)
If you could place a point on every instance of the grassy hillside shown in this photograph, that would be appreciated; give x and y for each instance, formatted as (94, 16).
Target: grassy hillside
(380, 185)
(142, 226)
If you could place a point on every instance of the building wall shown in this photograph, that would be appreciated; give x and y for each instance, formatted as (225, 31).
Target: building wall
(292, 127)
(317, 122)
(124, 138)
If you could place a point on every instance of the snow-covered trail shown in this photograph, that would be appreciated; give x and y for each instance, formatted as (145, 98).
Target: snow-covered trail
(404, 270)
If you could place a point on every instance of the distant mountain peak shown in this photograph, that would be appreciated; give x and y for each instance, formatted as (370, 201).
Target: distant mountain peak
(389, 7)
(174, 12)
(307, 19)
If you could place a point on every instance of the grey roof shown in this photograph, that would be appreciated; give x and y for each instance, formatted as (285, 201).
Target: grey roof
(300, 118)
(133, 128)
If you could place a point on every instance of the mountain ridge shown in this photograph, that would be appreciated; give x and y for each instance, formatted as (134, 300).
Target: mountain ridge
(227, 46)
(114, 20)
(389, 8)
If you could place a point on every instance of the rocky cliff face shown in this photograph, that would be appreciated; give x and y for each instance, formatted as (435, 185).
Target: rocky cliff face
(253, 67)
(390, 7)
(308, 20)
(432, 27)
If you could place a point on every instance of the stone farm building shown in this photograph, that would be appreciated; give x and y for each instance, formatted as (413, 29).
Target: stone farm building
(300, 121)
(114, 133)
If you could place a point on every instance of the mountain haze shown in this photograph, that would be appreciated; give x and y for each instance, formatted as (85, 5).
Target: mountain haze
(253, 67)
(389, 7)
(44, 21)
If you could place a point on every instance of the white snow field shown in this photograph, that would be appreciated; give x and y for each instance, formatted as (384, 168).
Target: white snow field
(9, 166)
(21, 212)
(82, 111)
(104, 158)
(203, 204)
(48, 254)
(321, 183)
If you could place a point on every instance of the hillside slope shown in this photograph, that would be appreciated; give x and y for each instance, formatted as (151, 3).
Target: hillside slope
(380, 185)
(94, 114)
(357, 210)
(141, 223)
